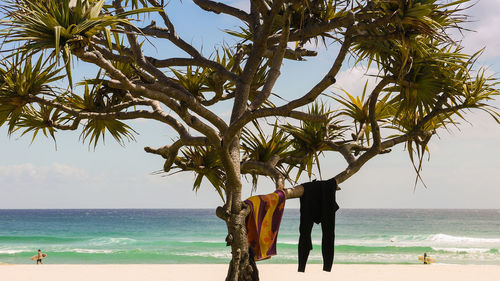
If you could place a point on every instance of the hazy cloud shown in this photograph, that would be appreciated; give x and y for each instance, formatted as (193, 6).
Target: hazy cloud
(485, 22)
(29, 174)
(353, 80)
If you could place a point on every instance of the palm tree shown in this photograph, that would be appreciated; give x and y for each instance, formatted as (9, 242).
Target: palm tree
(425, 84)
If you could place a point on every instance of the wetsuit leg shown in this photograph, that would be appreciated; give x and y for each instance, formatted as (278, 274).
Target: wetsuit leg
(327, 244)
(305, 243)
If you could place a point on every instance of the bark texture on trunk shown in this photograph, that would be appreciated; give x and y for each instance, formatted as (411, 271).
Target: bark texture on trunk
(234, 213)
(240, 268)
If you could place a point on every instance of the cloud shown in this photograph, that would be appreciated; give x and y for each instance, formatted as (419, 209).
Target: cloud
(30, 174)
(482, 38)
(485, 21)
(63, 186)
(353, 80)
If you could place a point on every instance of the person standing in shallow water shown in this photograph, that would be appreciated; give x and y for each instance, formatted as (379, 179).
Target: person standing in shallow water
(425, 258)
(39, 257)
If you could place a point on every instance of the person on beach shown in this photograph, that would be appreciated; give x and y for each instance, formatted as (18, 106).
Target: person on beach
(425, 258)
(39, 257)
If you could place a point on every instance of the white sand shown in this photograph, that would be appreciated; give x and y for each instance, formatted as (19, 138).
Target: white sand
(271, 272)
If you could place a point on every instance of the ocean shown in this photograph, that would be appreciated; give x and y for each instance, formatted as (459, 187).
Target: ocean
(165, 236)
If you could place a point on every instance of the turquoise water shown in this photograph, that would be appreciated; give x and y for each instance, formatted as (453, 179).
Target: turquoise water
(197, 236)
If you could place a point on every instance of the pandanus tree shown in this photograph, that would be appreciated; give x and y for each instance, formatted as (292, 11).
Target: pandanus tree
(425, 83)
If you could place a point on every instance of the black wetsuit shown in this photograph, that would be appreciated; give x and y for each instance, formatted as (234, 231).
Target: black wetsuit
(318, 205)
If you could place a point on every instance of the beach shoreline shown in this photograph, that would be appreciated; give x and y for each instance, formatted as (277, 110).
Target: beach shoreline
(217, 272)
(189, 236)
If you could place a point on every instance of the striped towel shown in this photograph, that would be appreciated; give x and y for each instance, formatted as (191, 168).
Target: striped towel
(263, 222)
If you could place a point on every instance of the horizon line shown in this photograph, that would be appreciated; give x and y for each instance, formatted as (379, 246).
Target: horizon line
(145, 208)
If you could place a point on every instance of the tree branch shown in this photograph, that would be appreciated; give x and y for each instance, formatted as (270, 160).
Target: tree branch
(294, 192)
(158, 92)
(114, 112)
(218, 98)
(190, 120)
(266, 169)
(132, 39)
(192, 103)
(286, 110)
(327, 80)
(372, 103)
(251, 67)
(375, 149)
(416, 133)
(169, 152)
(218, 8)
(274, 71)
(314, 30)
(74, 125)
(161, 63)
(261, 5)
(197, 59)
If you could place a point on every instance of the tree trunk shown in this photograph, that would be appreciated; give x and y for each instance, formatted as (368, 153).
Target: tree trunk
(234, 214)
(240, 268)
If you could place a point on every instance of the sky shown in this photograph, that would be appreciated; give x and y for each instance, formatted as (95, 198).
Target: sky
(462, 171)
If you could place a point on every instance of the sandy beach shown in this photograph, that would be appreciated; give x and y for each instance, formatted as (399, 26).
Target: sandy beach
(216, 272)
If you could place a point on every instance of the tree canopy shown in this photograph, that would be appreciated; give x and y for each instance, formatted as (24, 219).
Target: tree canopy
(425, 84)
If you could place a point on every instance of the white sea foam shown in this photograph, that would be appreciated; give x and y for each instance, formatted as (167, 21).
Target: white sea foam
(206, 254)
(462, 250)
(111, 240)
(295, 242)
(81, 251)
(288, 242)
(90, 251)
(203, 241)
(438, 240)
(11, 252)
(361, 242)
(444, 238)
